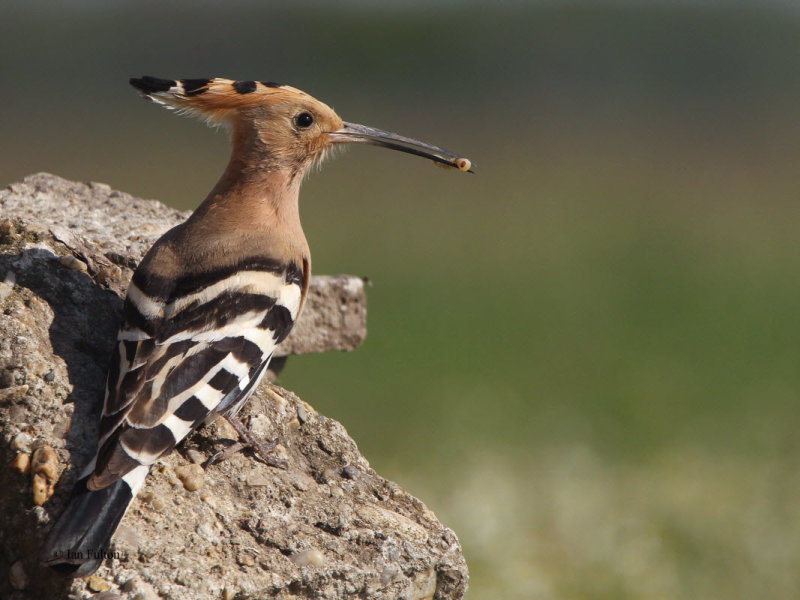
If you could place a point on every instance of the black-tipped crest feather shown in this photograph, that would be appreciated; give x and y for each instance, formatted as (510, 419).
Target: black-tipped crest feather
(152, 85)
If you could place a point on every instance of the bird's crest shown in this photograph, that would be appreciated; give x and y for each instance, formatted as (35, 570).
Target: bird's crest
(213, 99)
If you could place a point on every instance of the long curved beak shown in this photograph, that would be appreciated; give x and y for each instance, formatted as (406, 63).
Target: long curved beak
(354, 133)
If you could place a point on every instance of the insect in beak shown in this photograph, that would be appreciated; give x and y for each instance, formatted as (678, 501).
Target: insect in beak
(354, 133)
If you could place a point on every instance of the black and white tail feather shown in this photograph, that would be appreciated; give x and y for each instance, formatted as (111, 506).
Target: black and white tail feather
(190, 348)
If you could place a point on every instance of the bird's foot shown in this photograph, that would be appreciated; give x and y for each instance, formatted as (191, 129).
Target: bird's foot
(248, 440)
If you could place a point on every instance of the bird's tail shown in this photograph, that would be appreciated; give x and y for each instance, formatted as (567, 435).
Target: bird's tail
(80, 540)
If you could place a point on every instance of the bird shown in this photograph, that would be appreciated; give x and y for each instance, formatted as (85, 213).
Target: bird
(211, 299)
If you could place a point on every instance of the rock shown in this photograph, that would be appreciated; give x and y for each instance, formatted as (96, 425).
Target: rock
(257, 478)
(191, 476)
(194, 455)
(71, 262)
(312, 557)
(44, 471)
(349, 472)
(328, 527)
(97, 584)
(260, 426)
(334, 317)
(22, 462)
(305, 412)
(107, 596)
(13, 392)
(22, 442)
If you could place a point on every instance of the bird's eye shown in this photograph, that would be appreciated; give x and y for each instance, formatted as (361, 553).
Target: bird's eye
(304, 120)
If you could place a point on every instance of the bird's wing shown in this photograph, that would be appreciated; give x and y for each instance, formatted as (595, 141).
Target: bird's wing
(187, 348)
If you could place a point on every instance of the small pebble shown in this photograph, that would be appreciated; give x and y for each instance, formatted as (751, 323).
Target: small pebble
(22, 462)
(208, 532)
(7, 285)
(328, 476)
(312, 557)
(244, 558)
(41, 515)
(71, 262)
(17, 576)
(6, 228)
(191, 476)
(388, 574)
(194, 455)
(281, 452)
(142, 590)
(107, 596)
(396, 491)
(12, 393)
(39, 490)
(225, 430)
(22, 442)
(44, 466)
(305, 413)
(96, 584)
(109, 273)
(99, 186)
(260, 426)
(350, 472)
(208, 499)
(257, 478)
(126, 538)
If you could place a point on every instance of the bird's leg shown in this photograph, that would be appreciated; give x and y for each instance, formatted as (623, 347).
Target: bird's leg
(248, 440)
(224, 454)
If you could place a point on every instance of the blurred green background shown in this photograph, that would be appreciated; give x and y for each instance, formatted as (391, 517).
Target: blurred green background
(584, 358)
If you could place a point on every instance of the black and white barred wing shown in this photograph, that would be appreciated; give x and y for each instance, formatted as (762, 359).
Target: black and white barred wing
(200, 350)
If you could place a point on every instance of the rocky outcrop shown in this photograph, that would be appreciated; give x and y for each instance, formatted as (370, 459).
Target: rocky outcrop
(328, 527)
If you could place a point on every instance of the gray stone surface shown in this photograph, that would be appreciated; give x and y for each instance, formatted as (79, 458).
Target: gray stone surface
(328, 527)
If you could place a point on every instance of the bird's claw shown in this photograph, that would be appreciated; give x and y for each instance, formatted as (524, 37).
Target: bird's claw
(248, 440)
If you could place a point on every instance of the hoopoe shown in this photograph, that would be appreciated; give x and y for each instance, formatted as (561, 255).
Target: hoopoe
(211, 299)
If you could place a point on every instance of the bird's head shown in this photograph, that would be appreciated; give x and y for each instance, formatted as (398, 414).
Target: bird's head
(277, 126)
